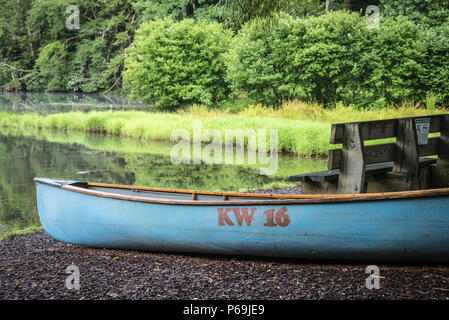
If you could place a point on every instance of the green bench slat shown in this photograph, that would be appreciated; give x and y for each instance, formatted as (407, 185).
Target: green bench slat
(371, 169)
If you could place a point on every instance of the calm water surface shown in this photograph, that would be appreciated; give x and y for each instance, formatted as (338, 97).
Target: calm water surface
(80, 156)
(47, 103)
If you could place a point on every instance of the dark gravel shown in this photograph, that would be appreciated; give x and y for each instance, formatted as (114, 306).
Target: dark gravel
(288, 190)
(34, 267)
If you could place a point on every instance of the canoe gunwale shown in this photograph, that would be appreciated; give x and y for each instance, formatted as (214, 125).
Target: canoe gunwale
(82, 187)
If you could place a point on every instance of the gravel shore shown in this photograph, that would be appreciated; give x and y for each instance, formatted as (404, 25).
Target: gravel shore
(34, 266)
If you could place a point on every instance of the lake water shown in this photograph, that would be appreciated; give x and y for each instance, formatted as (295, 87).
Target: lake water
(97, 158)
(46, 103)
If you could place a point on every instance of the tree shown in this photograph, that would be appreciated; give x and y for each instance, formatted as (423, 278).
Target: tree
(16, 47)
(39, 52)
(429, 12)
(237, 12)
(176, 9)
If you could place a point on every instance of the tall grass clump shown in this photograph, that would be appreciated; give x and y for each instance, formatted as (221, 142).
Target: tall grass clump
(96, 122)
(114, 127)
(299, 137)
(17, 230)
(431, 101)
(316, 112)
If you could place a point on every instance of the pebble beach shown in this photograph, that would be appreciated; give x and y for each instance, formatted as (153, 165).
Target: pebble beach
(33, 266)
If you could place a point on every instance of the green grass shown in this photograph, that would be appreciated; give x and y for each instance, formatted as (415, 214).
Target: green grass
(295, 136)
(303, 128)
(17, 231)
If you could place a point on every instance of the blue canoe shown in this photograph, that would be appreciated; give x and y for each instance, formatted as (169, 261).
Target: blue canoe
(401, 226)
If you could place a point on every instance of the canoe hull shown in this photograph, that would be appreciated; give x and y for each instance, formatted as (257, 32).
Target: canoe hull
(415, 229)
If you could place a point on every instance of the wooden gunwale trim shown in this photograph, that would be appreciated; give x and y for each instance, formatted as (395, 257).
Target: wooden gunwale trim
(197, 192)
(298, 199)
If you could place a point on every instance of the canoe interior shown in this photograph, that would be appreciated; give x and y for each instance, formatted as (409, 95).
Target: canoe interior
(159, 194)
(179, 196)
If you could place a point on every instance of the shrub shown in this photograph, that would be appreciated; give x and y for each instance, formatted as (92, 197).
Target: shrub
(330, 59)
(429, 12)
(437, 63)
(317, 58)
(397, 63)
(172, 64)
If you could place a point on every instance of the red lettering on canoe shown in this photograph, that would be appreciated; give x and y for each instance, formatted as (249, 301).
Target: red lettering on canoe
(279, 218)
(244, 216)
(282, 218)
(223, 217)
(270, 220)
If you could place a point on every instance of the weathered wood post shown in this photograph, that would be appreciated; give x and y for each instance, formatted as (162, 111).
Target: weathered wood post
(406, 161)
(352, 163)
(443, 152)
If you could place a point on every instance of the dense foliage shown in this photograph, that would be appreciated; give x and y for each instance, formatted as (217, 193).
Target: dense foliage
(397, 56)
(291, 49)
(429, 12)
(173, 64)
(237, 12)
(308, 59)
(38, 52)
(436, 76)
(329, 59)
(53, 57)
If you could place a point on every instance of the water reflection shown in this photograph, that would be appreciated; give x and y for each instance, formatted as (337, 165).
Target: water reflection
(22, 158)
(47, 103)
(79, 156)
